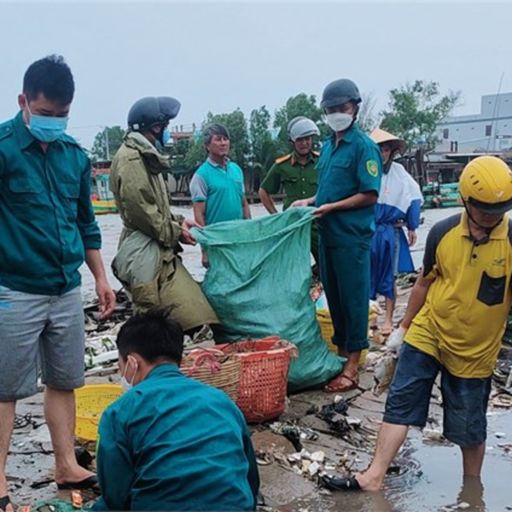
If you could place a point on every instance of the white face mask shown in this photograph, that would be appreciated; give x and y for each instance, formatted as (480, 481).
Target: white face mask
(126, 385)
(124, 381)
(338, 121)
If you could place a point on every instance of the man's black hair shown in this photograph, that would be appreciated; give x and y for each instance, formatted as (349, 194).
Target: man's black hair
(215, 129)
(51, 77)
(153, 335)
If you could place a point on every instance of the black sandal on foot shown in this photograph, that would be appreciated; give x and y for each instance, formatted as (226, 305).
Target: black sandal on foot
(340, 483)
(4, 501)
(88, 483)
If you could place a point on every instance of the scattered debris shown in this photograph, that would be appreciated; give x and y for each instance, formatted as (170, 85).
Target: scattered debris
(507, 447)
(430, 434)
(294, 433)
(313, 468)
(83, 457)
(383, 372)
(76, 499)
(300, 444)
(354, 422)
(22, 421)
(335, 415)
(502, 400)
(266, 440)
(406, 280)
(318, 456)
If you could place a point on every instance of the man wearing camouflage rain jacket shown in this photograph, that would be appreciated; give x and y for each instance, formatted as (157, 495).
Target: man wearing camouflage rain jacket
(147, 261)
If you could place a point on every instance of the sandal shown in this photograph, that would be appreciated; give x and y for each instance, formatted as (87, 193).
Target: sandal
(340, 483)
(335, 385)
(90, 482)
(4, 502)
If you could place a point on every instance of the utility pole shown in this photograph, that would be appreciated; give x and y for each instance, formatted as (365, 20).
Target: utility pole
(107, 143)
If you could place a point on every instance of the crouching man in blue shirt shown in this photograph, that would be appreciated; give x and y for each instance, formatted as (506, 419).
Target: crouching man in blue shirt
(171, 442)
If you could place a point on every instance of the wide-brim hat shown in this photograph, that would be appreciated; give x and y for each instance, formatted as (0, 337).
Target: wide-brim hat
(380, 136)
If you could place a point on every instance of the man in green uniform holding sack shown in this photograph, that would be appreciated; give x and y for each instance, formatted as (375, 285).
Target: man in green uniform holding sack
(349, 170)
(295, 172)
(147, 261)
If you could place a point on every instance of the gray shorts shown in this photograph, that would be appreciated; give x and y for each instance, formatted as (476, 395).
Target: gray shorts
(40, 334)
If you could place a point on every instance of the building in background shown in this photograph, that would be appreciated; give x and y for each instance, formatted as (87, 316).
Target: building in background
(488, 131)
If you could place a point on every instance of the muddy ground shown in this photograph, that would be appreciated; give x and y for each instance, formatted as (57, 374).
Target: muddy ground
(300, 446)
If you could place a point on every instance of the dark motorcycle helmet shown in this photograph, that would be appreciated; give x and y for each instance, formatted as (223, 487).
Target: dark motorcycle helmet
(149, 111)
(339, 92)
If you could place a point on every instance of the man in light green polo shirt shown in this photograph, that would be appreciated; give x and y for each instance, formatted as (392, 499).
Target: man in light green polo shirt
(217, 187)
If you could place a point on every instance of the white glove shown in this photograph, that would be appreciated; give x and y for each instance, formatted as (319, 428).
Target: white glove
(396, 339)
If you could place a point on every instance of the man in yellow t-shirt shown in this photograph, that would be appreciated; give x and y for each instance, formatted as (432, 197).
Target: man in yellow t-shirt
(453, 325)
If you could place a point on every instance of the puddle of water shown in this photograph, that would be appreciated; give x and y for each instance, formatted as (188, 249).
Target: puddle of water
(433, 479)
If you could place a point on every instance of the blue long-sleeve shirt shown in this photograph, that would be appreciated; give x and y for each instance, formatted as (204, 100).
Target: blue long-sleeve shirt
(46, 217)
(173, 443)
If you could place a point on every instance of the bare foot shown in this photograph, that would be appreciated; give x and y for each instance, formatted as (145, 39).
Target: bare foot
(367, 483)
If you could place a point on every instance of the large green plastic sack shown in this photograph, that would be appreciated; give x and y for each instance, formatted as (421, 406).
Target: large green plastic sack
(258, 283)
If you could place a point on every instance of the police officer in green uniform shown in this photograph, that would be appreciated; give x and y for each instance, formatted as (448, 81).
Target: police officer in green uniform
(295, 172)
(349, 170)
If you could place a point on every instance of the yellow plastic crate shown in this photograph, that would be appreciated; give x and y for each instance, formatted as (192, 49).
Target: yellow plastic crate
(91, 401)
(326, 328)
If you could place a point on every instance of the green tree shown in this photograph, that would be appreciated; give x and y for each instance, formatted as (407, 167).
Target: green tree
(178, 151)
(182, 173)
(415, 110)
(111, 135)
(196, 154)
(299, 105)
(263, 148)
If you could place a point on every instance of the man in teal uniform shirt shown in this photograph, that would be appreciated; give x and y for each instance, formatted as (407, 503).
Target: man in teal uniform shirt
(349, 172)
(171, 442)
(295, 172)
(47, 231)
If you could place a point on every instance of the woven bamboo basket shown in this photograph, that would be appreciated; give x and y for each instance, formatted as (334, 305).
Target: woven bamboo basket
(214, 367)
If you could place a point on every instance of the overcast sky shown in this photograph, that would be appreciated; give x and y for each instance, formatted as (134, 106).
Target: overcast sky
(216, 56)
